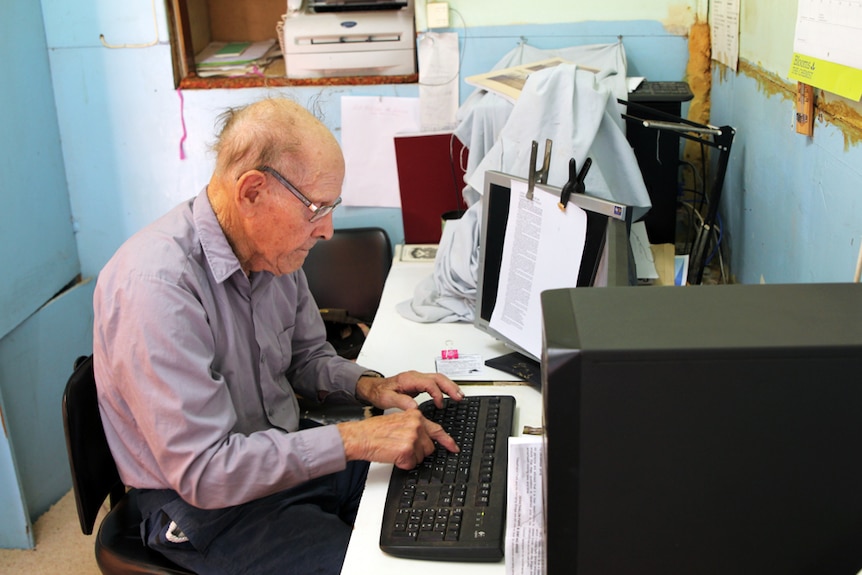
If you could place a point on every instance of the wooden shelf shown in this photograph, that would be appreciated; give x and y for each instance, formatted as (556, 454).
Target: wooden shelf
(195, 23)
(194, 82)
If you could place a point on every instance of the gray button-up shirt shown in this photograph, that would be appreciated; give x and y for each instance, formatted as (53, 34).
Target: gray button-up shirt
(197, 366)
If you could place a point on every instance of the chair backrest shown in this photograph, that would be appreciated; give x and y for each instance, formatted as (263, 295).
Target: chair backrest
(349, 270)
(94, 473)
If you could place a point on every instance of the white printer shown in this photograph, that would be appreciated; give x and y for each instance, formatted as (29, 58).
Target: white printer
(330, 38)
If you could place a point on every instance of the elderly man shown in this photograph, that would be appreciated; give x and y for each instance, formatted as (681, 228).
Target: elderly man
(205, 333)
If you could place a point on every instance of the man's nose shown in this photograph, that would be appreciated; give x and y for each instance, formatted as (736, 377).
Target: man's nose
(324, 228)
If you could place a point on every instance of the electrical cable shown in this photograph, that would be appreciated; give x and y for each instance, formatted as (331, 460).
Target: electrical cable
(460, 55)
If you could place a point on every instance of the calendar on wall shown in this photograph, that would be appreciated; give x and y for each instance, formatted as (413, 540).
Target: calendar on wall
(826, 52)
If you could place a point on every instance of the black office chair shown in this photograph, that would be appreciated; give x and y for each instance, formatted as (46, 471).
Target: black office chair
(346, 275)
(119, 548)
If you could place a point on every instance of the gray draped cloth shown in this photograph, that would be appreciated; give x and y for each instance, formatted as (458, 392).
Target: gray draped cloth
(578, 111)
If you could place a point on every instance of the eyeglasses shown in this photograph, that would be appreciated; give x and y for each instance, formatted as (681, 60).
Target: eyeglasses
(317, 212)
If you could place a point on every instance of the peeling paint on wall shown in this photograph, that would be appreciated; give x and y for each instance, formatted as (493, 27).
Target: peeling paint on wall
(699, 77)
(840, 112)
(699, 72)
(769, 83)
(843, 116)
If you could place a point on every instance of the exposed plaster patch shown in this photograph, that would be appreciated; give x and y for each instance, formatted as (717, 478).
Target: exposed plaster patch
(698, 74)
(843, 116)
(770, 83)
(828, 107)
(679, 19)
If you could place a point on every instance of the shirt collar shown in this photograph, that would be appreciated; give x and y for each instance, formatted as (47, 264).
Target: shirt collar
(219, 254)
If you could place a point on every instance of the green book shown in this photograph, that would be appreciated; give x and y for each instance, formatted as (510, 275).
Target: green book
(232, 49)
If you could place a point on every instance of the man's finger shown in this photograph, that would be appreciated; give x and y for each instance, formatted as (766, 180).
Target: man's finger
(438, 434)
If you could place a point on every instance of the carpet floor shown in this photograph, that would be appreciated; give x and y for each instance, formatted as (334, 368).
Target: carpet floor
(60, 545)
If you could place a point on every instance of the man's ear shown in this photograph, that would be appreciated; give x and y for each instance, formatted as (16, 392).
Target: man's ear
(249, 191)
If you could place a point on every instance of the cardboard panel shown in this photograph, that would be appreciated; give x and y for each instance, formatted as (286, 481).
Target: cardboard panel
(242, 21)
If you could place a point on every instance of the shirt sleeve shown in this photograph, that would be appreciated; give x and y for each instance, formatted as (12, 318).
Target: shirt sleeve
(316, 370)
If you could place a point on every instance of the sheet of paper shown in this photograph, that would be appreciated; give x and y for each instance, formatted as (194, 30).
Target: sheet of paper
(680, 270)
(644, 260)
(830, 30)
(368, 125)
(724, 31)
(525, 514)
(438, 80)
(826, 52)
(539, 237)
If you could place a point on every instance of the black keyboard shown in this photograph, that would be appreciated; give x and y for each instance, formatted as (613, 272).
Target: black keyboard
(452, 506)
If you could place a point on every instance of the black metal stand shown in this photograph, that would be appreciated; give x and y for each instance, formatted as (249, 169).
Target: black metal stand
(720, 138)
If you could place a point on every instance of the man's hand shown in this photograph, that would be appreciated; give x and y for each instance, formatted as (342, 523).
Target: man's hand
(399, 391)
(404, 438)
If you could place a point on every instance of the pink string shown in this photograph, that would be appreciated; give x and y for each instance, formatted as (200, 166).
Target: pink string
(183, 122)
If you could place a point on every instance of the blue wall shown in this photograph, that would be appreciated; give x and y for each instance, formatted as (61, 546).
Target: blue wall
(38, 258)
(792, 205)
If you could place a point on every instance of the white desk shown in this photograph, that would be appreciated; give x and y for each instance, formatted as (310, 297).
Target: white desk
(397, 344)
(364, 555)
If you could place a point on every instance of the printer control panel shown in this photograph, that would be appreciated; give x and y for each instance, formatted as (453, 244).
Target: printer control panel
(355, 5)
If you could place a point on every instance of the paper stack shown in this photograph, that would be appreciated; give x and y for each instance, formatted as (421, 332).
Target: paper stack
(236, 58)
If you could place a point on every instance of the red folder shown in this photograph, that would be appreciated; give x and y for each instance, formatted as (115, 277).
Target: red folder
(430, 178)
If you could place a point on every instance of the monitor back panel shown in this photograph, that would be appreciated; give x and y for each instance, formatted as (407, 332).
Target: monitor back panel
(719, 432)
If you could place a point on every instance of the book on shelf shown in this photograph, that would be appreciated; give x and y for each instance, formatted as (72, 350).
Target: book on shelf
(236, 58)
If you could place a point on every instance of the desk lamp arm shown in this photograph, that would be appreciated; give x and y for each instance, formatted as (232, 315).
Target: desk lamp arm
(720, 138)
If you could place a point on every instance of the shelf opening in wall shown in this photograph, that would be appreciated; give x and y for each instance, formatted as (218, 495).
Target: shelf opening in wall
(363, 44)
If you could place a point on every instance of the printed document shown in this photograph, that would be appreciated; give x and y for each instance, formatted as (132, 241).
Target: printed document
(525, 517)
(543, 250)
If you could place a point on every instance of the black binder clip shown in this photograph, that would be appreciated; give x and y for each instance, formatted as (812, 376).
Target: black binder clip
(576, 182)
(541, 176)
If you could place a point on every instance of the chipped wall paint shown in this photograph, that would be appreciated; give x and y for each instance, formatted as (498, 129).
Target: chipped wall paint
(698, 72)
(843, 115)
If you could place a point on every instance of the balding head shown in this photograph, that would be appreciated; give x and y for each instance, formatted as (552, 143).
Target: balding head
(268, 227)
(272, 132)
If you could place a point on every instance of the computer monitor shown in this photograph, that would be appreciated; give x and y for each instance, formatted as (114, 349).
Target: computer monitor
(708, 429)
(528, 245)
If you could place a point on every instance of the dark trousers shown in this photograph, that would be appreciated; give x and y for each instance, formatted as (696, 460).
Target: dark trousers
(302, 531)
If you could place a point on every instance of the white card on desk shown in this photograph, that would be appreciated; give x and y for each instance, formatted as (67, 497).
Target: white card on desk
(465, 364)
